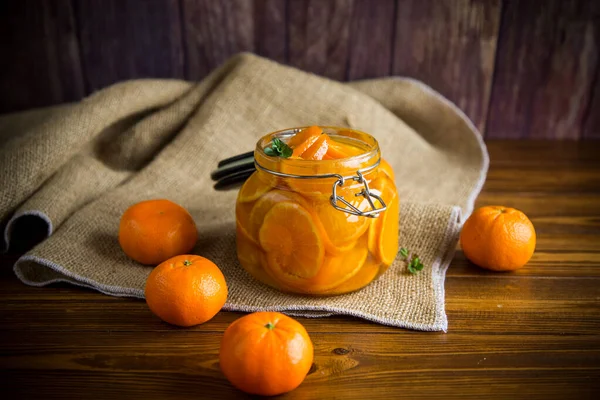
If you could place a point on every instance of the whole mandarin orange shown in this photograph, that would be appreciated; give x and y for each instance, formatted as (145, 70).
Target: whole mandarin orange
(154, 230)
(186, 290)
(266, 353)
(498, 238)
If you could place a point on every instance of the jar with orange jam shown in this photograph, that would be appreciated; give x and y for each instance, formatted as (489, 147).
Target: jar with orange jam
(321, 220)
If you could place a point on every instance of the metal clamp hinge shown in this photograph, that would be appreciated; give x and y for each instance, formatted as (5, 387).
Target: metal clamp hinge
(365, 192)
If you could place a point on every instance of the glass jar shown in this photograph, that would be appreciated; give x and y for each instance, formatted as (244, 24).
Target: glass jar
(319, 227)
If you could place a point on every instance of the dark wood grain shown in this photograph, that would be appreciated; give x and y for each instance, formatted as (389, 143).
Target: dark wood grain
(371, 39)
(547, 59)
(547, 154)
(426, 384)
(214, 31)
(564, 179)
(533, 333)
(436, 40)
(477, 302)
(195, 357)
(519, 69)
(40, 62)
(129, 39)
(592, 114)
(270, 29)
(318, 32)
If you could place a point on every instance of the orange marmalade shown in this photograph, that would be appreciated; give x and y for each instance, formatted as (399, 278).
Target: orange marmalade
(321, 220)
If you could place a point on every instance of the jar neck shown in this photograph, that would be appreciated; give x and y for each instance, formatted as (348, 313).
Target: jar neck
(367, 160)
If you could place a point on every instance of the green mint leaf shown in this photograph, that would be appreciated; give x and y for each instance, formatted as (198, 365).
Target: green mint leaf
(277, 144)
(404, 252)
(413, 262)
(270, 152)
(279, 148)
(286, 151)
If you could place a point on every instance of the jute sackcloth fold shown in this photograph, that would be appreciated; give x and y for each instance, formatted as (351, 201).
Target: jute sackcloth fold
(77, 168)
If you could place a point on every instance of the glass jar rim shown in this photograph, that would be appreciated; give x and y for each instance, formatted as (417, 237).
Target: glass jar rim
(349, 163)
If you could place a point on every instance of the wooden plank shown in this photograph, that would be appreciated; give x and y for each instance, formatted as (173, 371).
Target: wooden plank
(470, 316)
(184, 342)
(546, 263)
(270, 21)
(451, 46)
(547, 56)
(403, 353)
(319, 32)
(40, 64)
(592, 118)
(214, 31)
(551, 213)
(546, 204)
(490, 383)
(542, 153)
(371, 39)
(538, 179)
(481, 303)
(398, 362)
(129, 39)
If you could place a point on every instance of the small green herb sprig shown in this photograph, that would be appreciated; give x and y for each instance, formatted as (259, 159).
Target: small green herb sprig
(278, 149)
(413, 262)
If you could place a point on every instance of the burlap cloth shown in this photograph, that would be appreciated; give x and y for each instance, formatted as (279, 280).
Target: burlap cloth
(78, 167)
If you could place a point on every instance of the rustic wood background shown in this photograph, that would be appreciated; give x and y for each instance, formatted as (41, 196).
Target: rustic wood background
(519, 69)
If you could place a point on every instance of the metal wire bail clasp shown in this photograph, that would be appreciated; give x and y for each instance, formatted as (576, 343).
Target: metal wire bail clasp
(365, 192)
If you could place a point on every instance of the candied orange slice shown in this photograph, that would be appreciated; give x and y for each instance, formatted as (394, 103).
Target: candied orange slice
(292, 242)
(318, 149)
(248, 251)
(304, 135)
(307, 186)
(266, 203)
(252, 219)
(386, 169)
(383, 234)
(334, 153)
(302, 147)
(341, 150)
(337, 249)
(369, 271)
(242, 218)
(265, 276)
(251, 258)
(337, 269)
(253, 188)
(342, 229)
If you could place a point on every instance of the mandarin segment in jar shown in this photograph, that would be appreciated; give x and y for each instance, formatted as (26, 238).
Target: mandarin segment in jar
(291, 237)
(253, 188)
(266, 203)
(251, 257)
(242, 218)
(367, 273)
(342, 228)
(337, 269)
(292, 242)
(383, 233)
(248, 251)
(386, 168)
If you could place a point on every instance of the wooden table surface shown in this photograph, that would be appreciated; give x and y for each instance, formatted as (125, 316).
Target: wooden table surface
(534, 333)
